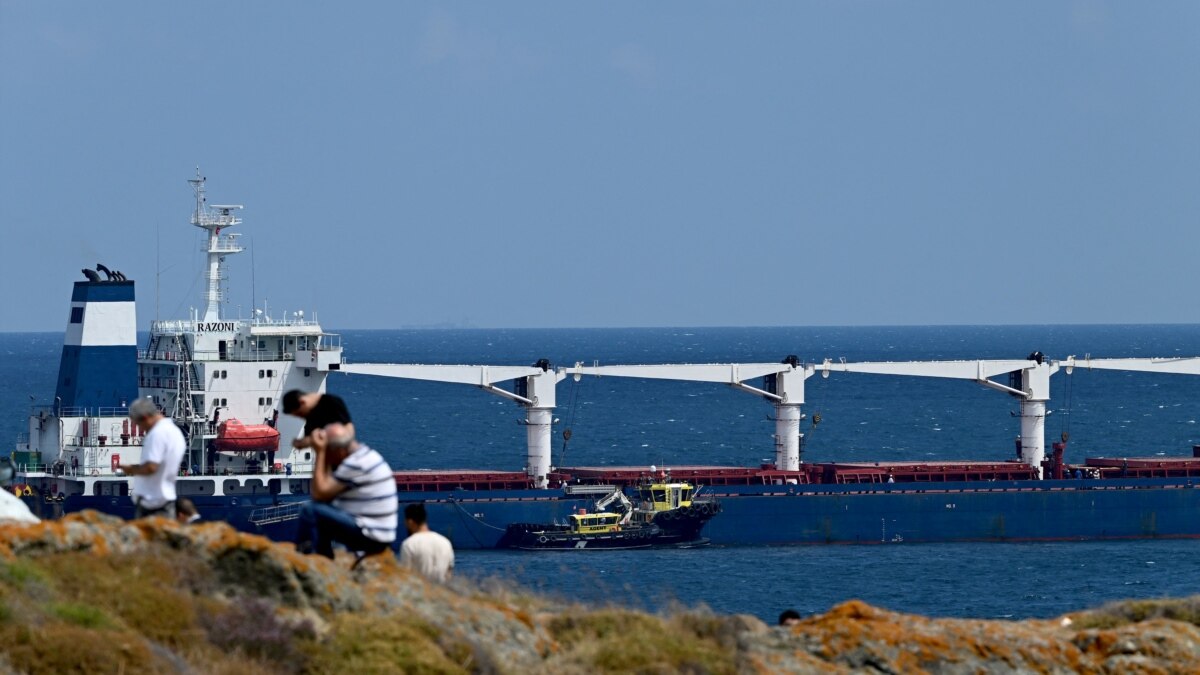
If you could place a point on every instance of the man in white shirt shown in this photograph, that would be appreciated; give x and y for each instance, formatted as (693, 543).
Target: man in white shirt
(162, 452)
(425, 551)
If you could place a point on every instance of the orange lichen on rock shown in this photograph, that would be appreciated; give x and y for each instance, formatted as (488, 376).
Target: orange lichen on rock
(92, 593)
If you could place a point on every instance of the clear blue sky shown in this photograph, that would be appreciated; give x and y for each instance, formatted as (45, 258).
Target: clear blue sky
(612, 164)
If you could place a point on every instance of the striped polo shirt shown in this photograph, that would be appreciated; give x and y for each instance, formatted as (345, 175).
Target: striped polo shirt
(371, 493)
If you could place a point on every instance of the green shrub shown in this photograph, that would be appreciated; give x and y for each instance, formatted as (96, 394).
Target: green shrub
(84, 616)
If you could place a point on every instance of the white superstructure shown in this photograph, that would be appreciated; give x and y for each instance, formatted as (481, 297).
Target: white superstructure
(203, 372)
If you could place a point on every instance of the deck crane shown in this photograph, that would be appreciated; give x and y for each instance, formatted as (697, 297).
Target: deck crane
(1188, 365)
(1029, 382)
(783, 387)
(535, 387)
(1178, 365)
(617, 495)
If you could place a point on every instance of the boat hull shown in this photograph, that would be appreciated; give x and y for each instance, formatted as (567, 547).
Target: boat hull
(531, 538)
(238, 511)
(800, 514)
(875, 514)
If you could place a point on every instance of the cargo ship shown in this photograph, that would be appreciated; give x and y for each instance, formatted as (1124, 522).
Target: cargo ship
(221, 380)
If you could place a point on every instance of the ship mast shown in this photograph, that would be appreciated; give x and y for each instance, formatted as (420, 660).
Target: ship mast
(214, 219)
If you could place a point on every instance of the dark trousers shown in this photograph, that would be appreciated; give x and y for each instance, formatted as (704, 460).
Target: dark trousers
(165, 511)
(322, 524)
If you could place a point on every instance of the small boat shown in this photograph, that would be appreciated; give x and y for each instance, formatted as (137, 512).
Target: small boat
(666, 515)
(233, 436)
(675, 508)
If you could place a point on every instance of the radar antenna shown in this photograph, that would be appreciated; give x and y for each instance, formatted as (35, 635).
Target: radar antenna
(214, 219)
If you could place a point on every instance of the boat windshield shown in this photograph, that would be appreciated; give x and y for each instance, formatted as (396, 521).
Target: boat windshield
(594, 520)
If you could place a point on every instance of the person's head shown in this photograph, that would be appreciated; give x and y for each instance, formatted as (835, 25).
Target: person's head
(294, 403)
(415, 518)
(789, 617)
(185, 511)
(144, 413)
(339, 443)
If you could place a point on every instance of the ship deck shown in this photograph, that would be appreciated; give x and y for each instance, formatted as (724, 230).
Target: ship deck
(827, 473)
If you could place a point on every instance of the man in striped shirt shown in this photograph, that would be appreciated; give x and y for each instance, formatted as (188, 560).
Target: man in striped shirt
(353, 497)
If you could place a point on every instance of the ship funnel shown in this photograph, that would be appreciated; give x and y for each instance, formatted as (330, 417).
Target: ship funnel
(99, 357)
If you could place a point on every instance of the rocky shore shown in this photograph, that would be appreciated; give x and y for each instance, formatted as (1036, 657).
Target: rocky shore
(92, 593)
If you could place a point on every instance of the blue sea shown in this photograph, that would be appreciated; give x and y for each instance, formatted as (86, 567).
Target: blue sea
(619, 422)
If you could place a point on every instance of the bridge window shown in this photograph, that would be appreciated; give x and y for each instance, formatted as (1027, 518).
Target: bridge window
(270, 373)
(76, 315)
(261, 373)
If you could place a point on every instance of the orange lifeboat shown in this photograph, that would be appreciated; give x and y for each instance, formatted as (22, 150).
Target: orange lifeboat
(233, 436)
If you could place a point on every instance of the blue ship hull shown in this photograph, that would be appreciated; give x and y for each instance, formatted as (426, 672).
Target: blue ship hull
(873, 514)
(800, 514)
(238, 511)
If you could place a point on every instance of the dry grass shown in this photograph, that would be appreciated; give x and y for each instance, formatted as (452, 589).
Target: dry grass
(1116, 614)
(248, 606)
(361, 644)
(622, 641)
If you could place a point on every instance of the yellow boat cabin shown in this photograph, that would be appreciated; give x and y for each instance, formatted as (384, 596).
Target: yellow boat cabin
(665, 496)
(595, 523)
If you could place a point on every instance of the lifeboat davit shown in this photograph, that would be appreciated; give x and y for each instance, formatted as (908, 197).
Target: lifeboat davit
(233, 436)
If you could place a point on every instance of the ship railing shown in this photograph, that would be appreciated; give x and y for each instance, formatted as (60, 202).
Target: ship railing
(325, 342)
(105, 411)
(22, 439)
(590, 489)
(209, 218)
(255, 356)
(284, 322)
(276, 514)
(33, 467)
(77, 440)
(173, 355)
(224, 244)
(65, 470)
(158, 382)
(304, 470)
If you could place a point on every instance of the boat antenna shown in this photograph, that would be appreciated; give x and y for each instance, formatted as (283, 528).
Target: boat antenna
(157, 269)
(253, 292)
